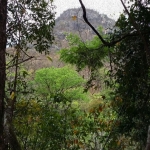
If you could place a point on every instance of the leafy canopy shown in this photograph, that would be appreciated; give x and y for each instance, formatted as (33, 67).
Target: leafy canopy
(132, 74)
(82, 54)
(30, 22)
(60, 81)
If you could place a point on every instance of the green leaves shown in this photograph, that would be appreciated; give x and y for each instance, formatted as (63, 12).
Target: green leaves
(33, 21)
(131, 74)
(60, 81)
(82, 54)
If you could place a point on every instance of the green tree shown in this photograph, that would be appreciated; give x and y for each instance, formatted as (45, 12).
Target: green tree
(132, 62)
(90, 55)
(59, 83)
(46, 122)
(84, 54)
(21, 23)
(133, 76)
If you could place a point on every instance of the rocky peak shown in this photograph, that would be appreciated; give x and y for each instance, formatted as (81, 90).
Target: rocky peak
(71, 20)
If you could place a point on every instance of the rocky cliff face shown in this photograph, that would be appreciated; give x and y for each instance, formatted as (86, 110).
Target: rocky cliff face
(71, 20)
(66, 21)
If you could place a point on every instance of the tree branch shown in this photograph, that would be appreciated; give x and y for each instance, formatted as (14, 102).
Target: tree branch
(20, 62)
(86, 20)
(112, 43)
(131, 18)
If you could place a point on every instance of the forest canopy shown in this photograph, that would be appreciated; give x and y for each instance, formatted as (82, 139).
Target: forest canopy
(97, 94)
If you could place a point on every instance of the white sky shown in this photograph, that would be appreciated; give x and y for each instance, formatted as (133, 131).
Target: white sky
(111, 8)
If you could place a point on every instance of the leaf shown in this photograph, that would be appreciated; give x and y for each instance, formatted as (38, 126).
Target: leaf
(49, 58)
(24, 73)
(12, 95)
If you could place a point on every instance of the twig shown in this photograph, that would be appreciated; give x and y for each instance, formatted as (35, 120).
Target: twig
(20, 62)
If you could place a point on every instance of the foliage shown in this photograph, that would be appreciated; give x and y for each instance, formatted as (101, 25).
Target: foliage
(62, 116)
(60, 126)
(132, 76)
(39, 125)
(131, 61)
(82, 54)
(30, 21)
(29, 24)
(51, 124)
(61, 83)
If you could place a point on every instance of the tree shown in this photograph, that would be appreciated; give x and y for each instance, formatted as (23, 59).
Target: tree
(61, 84)
(21, 23)
(132, 75)
(84, 54)
(131, 59)
(3, 18)
(90, 55)
(54, 120)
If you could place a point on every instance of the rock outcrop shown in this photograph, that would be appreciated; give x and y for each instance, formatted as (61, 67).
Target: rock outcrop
(71, 20)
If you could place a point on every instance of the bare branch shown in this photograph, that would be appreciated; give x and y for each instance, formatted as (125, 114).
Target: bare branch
(112, 43)
(86, 20)
(20, 62)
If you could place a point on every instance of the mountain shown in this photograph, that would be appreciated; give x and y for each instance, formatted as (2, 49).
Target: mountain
(71, 20)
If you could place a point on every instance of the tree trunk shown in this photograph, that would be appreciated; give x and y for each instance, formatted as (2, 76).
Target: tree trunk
(148, 140)
(3, 17)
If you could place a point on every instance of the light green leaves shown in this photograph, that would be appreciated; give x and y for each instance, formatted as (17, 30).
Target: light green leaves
(59, 81)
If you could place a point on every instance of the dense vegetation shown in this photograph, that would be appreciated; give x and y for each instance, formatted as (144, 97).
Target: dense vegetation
(99, 99)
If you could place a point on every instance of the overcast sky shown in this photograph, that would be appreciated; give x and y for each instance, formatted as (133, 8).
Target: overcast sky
(110, 7)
